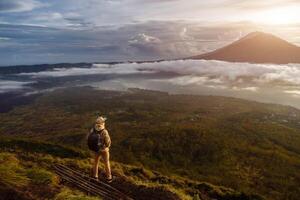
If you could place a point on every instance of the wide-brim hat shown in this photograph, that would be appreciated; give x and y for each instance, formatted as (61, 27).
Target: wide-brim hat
(100, 120)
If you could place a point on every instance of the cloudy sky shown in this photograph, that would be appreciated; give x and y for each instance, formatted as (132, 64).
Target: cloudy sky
(41, 31)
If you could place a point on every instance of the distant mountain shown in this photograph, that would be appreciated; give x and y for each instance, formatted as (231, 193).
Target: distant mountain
(256, 47)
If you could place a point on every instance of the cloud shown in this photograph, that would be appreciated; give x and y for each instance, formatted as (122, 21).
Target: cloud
(140, 41)
(19, 5)
(252, 89)
(258, 4)
(95, 13)
(153, 40)
(237, 76)
(294, 92)
(156, 1)
(9, 86)
(149, 46)
(142, 38)
(260, 82)
(97, 69)
(4, 38)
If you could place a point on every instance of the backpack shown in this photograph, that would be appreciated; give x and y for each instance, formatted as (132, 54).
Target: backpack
(95, 141)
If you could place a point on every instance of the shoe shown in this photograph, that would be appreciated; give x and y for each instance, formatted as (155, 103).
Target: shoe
(94, 178)
(109, 180)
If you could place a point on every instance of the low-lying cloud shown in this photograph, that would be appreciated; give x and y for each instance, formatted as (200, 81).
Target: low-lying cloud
(9, 86)
(203, 72)
(261, 82)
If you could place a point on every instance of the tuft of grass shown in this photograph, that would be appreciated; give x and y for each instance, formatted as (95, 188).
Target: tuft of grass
(67, 194)
(11, 173)
(41, 176)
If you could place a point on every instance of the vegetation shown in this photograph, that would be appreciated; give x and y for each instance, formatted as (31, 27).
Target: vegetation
(11, 173)
(29, 180)
(247, 146)
(35, 176)
(67, 194)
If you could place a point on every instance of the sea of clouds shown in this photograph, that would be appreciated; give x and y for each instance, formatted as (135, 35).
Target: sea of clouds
(199, 72)
(9, 85)
(262, 82)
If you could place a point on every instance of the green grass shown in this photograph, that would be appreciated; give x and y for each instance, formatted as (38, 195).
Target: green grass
(67, 194)
(25, 173)
(11, 173)
(34, 169)
(40, 176)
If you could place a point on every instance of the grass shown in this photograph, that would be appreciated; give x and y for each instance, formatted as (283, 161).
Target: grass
(36, 146)
(26, 170)
(40, 176)
(248, 146)
(67, 194)
(11, 173)
(30, 177)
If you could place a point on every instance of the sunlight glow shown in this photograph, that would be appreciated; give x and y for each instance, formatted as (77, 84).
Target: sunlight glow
(284, 15)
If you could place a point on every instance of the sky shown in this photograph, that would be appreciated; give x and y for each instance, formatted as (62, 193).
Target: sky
(44, 31)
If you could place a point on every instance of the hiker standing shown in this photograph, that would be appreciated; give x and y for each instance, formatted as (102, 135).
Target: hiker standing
(99, 142)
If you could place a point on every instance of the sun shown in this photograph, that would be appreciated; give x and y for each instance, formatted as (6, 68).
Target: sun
(283, 15)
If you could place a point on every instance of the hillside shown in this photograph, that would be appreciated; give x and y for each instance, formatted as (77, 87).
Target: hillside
(256, 47)
(27, 173)
(248, 146)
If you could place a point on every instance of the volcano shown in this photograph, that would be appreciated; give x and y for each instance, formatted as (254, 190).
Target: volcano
(256, 47)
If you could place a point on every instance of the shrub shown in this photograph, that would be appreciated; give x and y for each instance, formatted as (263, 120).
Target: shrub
(41, 176)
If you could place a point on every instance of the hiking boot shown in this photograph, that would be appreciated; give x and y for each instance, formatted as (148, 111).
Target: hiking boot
(94, 178)
(109, 180)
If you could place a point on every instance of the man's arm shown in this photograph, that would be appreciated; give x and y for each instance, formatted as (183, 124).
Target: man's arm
(107, 141)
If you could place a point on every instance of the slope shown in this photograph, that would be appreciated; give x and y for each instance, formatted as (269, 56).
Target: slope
(248, 146)
(31, 175)
(256, 47)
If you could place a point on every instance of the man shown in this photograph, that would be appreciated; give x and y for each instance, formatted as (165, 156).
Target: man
(99, 142)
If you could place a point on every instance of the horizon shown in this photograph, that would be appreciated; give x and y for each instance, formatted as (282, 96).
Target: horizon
(161, 59)
(47, 32)
(72, 33)
(202, 99)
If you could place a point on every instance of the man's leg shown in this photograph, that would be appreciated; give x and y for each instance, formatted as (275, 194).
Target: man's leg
(96, 165)
(105, 157)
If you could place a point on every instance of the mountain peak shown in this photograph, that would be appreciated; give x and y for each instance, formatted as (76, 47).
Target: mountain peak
(258, 33)
(256, 47)
(263, 36)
